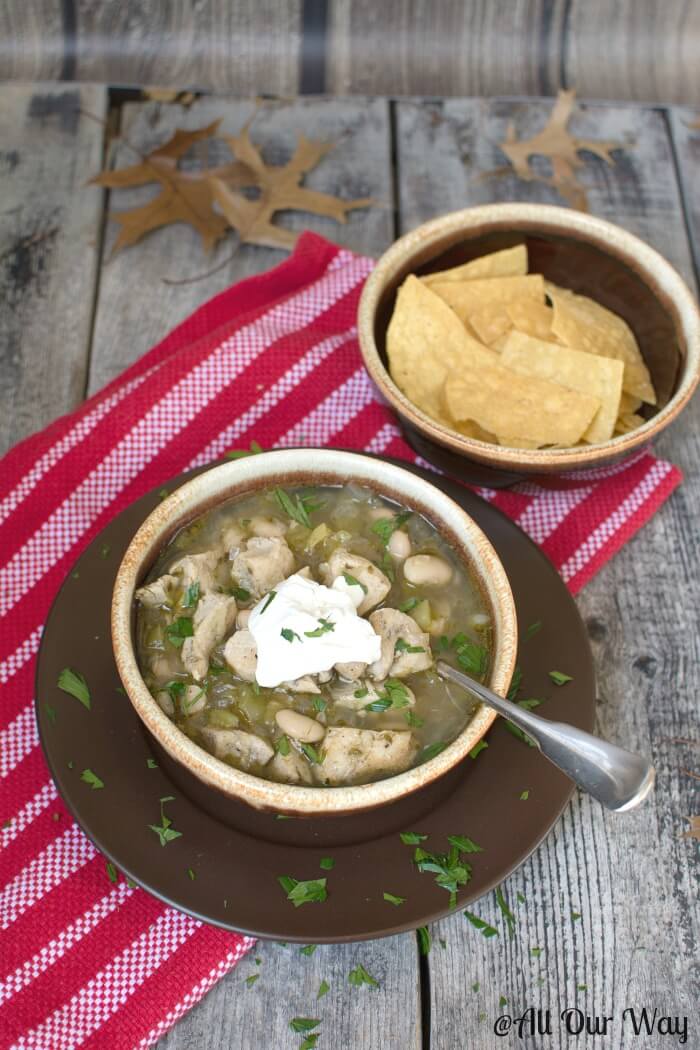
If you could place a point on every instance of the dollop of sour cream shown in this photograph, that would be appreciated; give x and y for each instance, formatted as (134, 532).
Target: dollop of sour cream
(302, 627)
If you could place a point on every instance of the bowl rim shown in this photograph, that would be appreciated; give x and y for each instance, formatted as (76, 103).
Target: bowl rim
(244, 475)
(661, 277)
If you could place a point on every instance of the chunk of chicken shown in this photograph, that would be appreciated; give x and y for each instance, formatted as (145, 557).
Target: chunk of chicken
(375, 583)
(396, 628)
(306, 684)
(247, 748)
(261, 526)
(197, 568)
(264, 561)
(232, 538)
(357, 756)
(241, 654)
(290, 768)
(158, 592)
(213, 619)
(351, 671)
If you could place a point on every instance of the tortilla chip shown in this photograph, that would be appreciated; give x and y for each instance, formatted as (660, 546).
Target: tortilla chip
(490, 322)
(425, 343)
(517, 408)
(628, 404)
(586, 373)
(468, 428)
(628, 421)
(466, 297)
(511, 262)
(531, 317)
(585, 325)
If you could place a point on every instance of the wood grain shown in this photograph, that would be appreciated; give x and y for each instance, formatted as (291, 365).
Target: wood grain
(629, 878)
(135, 308)
(686, 141)
(239, 1017)
(31, 40)
(50, 226)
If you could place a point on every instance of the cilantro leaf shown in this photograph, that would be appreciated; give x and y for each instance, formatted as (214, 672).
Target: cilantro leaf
(391, 898)
(304, 1024)
(524, 795)
(240, 453)
(303, 892)
(412, 838)
(479, 746)
(359, 976)
(559, 678)
(353, 582)
(385, 527)
(464, 844)
(409, 604)
(271, 596)
(413, 720)
(50, 713)
(178, 630)
(323, 628)
(533, 629)
(402, 646)
(282, 746)
(507, 913)
(165, 831)
(88, 777)
(240, 594)
(327, 863)
(312, 754)
(359, 694)
(289, 635)
(308, 949)
(251, 979)
(111, 871)
(73, 683)
(483, 927)
(296, 507)
(323, 989)
(431, 750)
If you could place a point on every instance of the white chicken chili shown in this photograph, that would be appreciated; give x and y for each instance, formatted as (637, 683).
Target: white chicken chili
(293, 634)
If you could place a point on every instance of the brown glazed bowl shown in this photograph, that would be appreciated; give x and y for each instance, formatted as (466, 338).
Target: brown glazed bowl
(572, 249)
(293, 467)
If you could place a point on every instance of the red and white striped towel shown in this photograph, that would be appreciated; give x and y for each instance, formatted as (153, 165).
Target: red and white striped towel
(84, 962)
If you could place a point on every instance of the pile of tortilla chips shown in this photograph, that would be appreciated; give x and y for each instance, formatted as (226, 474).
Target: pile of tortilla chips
(502, 355)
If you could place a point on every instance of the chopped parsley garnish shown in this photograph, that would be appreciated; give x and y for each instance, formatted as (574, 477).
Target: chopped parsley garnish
(449, 869)
(502, 1001)
(323, 989)
(298, 892)
(391, 898)
(385, 527)
(353, 582)
(304, 1024)
(271, 596)
(536, 952)
(151, 763)
(175, 689)
(443, 643)
(165, 831)
(464, 844)
(359, 694)
(50, 713)
(472, 658)
(289, 635)
(432, 750)
(409, 604)
(581, 987)
(297, 507)
(163, 494)
(382, 703)
(479, 746)
(515, 730)
(324, 626)
(524, 796)
(282, 746)
(178, 630)
(483, 927)
(240, 594)
(575, 915)
(312, 754)
(192, 874)
(359, 976)
(88, 777)
(412, 838)
(191, 595)
(239, 453)
(251, 979)
(559, 678)
(519, 897)
(507, 913)
(395, 695)
(402, 646)
(111, 872)
(475, 986)
(327, 863)
(424, 940)
(533, 628)
(308, 949)
(413, 720)
(73, 683)
(309, 1043)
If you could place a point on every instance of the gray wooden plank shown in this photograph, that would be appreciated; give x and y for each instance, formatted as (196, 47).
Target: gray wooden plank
(50, 226)
(135, 308)
(31, 40)
(239, 1017)
(686, 141)
(630, 877)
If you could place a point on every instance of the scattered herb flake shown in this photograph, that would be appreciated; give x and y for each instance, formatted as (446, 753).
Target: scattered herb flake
(413, 720)
(239, 453)
(582, 987)
(251, 979)
(464, 844)
(424, 940)
(323, 989)
(412, 838)
(432, 750)
(479, 746)
(75, 575)
(472, 658)
(88, 777)
(297, 508)
(104, 550)
(165, 831)
(443, 942)
(240, 594)
(163, 494)
(483, 927)
(575, 915)
(271, 596)
(178, 630)
(360, 694)
(559, 678)
(324, 626)
(533, 629)
(308, 949)
(304, 1024)
(319, 704)
(175, 689)
(327, 863)
(502, 1001)
(536, 952)
(192, 874)
(524, 795)
(111, 872)
(50, 713)
(475, 986)
(520, 898)
(409, 604)
(151, 763)
(402, 646)
(131, 884)
(507, 913)
(385, 527)
(449, 869)
(391, 898)
(73, 683)
(289, 635)
(309, 1042)
(353, 582)
(310, 891)
(71, 764)
(191, 596)
(360, 976)
(312, 754)
(282, 748)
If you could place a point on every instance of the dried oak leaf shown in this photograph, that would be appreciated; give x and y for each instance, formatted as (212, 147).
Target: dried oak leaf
(279, 190)
(184, 197)
(562, 149)
(694, 830)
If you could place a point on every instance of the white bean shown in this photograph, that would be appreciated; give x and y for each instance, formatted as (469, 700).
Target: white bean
(242, 617)
(194, 700)
(261, 526)
(399, 544)
(427, 570)
(377, 513)
(479, 621)
(165, 703)
(299, 727)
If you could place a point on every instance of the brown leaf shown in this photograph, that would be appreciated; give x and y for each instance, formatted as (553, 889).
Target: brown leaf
(181, 199)
(694, 831)
(562, 149)
(280, 190)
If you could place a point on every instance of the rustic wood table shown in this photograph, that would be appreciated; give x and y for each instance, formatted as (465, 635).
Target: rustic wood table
(610, 900)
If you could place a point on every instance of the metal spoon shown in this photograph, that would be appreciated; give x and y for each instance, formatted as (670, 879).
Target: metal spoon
(619, 779)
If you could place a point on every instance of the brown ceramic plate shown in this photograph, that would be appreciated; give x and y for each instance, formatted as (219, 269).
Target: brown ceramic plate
(236, 870)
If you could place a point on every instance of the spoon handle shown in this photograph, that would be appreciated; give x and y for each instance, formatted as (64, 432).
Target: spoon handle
(619, 779)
